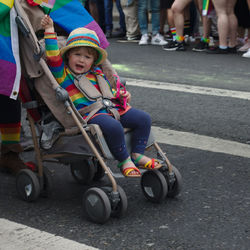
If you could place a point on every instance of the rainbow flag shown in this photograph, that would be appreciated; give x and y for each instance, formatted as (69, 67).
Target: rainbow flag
(70, 14)
(205, 7)
(45, 3)
(10, 71)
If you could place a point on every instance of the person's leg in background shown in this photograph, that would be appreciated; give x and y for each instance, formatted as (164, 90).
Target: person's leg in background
(10, 128)
(223, 23)
(163, 17)
(101, 14)
(204, 41)
(155, 10)
(108, 7)
(94, 10)
(143, 21)
(233, 25)
(121, 32)
(157, 38)
(170, 18)
(227, 26)
(130, 9)
(178, 8)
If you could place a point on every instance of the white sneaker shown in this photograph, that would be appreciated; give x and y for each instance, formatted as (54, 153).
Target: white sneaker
(158, 39)
(144, 39)
(245, 47)
(247, 54)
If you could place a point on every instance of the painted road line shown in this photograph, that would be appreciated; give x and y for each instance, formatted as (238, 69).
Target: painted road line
(188, 88)
(15, 236)
(201, 142)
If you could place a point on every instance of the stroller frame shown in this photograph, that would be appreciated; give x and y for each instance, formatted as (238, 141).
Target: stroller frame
(156, 184)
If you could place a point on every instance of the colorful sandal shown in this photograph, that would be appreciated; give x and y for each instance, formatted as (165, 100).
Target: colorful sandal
(151, 164)
(126, 171)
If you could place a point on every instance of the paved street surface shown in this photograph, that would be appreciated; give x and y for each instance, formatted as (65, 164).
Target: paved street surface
(199, 106)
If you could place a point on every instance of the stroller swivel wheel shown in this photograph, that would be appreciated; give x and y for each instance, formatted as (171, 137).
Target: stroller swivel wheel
(96, 205)
(83, 171)
(154, 186)
(119, 203)
(46, 190)
(27, 185)
(175, 188)
(121, 208)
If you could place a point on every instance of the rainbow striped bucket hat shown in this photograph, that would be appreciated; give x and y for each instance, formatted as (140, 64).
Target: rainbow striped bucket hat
(84, 37)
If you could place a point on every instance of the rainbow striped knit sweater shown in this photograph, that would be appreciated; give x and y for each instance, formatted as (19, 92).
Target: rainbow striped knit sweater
(65, 78)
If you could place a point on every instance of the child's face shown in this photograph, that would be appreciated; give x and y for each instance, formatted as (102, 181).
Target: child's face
(80, 60)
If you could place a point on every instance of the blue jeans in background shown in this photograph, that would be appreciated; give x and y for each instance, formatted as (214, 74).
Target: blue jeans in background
(108, 5)
(143, 19)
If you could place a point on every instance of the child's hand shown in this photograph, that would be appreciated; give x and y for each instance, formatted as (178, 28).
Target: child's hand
(47, 24)
(125, 94)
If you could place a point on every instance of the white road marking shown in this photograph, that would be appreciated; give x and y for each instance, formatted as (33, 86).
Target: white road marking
(188, 88)
(190, 140)
(15, 236)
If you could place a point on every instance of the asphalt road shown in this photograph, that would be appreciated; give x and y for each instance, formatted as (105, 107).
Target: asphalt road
(213, 209)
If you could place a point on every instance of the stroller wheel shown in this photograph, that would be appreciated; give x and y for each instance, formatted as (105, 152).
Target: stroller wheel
(121, 208)
(119, 204)
(174, 181)
(83, 172)
(47, 183)
(154, 186)
(99, 171)
(176, 187)
(27, 185)
(96, 205)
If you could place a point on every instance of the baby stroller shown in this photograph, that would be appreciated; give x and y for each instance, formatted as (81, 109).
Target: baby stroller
(67, 138)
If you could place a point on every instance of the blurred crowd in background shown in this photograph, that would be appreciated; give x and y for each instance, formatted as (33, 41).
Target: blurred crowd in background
(213, 26)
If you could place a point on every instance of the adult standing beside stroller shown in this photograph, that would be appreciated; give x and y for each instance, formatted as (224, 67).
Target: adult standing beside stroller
(75, 68)
(10, 115)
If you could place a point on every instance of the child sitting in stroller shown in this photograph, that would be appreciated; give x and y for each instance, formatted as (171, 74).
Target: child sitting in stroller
(75, 68)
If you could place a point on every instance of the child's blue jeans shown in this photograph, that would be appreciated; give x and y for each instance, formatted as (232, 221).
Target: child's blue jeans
(113, 131)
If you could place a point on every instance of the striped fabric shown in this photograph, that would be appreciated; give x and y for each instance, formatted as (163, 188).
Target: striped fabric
(90, 39)
(205, 7)
(10, 133)
(64, 76)
(9, 56)
(70, 14)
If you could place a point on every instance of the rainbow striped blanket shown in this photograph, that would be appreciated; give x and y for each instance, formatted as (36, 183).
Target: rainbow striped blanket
(69, 14)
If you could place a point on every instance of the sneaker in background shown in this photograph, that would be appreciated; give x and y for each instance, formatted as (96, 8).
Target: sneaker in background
(232, 50)
(125, 39)
(158, 39)
(245, 47)
(174, 45)
(217, 50)
(119, 33)
(144, 40)
(247, 54)
(108, 34)
(201, 46)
